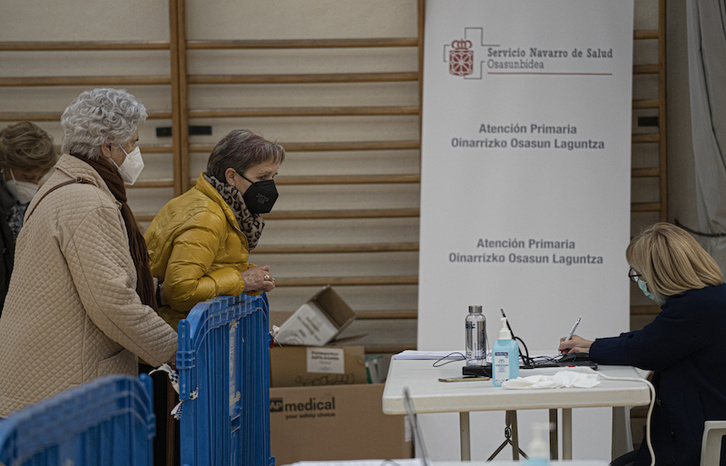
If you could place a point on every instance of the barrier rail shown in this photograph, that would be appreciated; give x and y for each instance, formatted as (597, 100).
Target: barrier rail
(223, 362)
(109, 421)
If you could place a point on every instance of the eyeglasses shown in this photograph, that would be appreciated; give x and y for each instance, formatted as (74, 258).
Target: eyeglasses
(634, 277)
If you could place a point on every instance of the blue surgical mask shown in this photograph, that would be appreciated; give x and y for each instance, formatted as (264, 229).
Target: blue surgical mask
(644, 288)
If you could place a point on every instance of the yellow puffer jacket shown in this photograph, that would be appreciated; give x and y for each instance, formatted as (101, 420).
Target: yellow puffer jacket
(197, 250)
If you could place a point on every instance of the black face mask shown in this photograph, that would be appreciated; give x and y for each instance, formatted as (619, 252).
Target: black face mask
(261, 196)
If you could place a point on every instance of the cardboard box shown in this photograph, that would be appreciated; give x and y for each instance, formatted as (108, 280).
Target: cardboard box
(318, 321)
(335, 422)
(292, 366)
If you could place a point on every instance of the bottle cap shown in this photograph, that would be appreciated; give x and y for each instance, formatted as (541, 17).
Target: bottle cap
(504, 333)
(474, 309)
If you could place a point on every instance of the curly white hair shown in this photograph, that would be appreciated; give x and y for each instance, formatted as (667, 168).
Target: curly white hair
(98, 117)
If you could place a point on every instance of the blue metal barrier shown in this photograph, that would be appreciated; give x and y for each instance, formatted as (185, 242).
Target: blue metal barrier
(224, 383)
(109, 421)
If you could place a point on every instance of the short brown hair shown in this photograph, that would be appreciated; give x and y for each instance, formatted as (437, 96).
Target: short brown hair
(242, 149)
(26, 146)
(671, 261)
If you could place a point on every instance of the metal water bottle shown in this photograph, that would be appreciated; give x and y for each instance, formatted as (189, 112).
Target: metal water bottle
(476, 333)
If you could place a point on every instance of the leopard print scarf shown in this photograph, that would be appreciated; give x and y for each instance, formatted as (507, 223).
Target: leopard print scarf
(250, 224)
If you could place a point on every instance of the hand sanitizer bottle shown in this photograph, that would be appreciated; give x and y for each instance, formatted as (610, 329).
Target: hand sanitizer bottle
(505, 356)
(539, 454)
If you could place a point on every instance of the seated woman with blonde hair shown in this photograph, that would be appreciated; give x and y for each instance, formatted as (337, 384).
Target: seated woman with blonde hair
(683, 346)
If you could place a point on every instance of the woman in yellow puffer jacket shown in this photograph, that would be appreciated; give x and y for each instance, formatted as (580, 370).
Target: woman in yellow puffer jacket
(199, 242)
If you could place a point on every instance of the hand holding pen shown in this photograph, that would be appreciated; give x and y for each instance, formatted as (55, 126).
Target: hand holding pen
(573, 343)
(574, 327)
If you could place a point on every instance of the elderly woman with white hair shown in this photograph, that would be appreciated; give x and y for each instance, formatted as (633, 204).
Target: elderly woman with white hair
(81, 298)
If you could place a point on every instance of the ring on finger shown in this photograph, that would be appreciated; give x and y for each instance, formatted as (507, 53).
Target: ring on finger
(266, 277)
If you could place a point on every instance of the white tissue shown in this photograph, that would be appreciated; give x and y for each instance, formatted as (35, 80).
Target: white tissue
(567, 378)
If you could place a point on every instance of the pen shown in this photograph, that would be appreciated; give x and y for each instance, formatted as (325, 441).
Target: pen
(574, 327)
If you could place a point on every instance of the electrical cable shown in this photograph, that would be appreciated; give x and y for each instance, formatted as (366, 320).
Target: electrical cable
(447, 359)
(650, 408)
(698, 233)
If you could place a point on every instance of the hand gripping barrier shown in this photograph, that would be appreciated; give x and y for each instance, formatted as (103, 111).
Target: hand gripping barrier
(108, 422)
(224, 383)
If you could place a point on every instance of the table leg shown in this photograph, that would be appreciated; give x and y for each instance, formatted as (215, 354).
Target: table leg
(566, 433)
(554, 441)
(511, 421)
(464, 437)
(622, 436)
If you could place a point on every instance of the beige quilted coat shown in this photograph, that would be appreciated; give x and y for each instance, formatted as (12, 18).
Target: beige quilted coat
(72, 313)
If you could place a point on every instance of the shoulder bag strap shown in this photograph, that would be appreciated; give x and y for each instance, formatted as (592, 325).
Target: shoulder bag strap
(79, 179)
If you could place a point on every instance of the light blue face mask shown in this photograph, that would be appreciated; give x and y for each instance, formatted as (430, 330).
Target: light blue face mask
(644, 288)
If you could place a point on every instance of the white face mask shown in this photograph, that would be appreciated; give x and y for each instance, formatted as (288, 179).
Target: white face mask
(23, 191)
(131, 167)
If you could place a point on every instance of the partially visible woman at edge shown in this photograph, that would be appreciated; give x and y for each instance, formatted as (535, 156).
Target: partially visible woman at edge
(26, 155)
(81, 301)
(200, 241)
(683, 346)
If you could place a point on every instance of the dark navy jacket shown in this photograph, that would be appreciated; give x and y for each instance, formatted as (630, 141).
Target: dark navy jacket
(685, 346)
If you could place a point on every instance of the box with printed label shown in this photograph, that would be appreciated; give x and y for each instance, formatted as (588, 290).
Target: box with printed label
(292, 366)
(334, 422)
(318, 321)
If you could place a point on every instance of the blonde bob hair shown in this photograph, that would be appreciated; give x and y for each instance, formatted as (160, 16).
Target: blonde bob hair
(671, 261)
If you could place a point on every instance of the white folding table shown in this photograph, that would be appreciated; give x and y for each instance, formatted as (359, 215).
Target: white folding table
(431, 396)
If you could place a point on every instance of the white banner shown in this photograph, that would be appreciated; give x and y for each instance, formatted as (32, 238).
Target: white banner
(525, 185)
(525, 200)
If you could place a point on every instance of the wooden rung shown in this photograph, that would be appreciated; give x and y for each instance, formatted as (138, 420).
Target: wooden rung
(156, 149)
(380, 280)
(144, 217)
(384, 315)
(644, 310)
(645, 138)
(348, 179)
(321, 214)
(336, 248)
(641, 34)
(373, 213)
(648, 69)
(152, 184)
(302, 43)
(55, 116)
(341, 214)
(144, 150)
(32, 81)
(71, 46)
(330, 146)
(645, 207)
(646, 103)
(649, 172)
(304, 111)
(302, 78)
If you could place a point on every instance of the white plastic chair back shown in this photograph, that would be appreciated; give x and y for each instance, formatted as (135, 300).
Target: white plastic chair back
(713, 431)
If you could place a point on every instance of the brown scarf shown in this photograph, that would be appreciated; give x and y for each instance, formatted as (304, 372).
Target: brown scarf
(137, 244)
